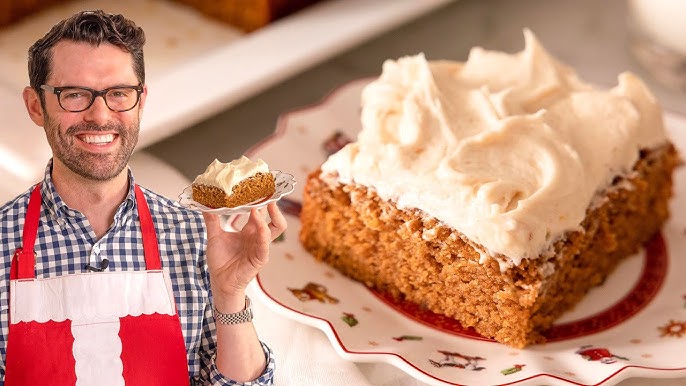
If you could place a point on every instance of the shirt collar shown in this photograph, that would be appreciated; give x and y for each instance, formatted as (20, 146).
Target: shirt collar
(55, 205)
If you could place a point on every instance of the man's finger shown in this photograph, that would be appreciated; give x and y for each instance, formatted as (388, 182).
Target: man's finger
(278, 222)
(212, 223)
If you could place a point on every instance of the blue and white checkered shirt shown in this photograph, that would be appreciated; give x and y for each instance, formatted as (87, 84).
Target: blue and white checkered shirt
(66, 243)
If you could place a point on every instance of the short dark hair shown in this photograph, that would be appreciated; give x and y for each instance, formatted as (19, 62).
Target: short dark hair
(93, 27)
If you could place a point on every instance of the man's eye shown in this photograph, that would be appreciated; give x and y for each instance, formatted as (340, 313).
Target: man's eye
(123, 93)
(74, 94)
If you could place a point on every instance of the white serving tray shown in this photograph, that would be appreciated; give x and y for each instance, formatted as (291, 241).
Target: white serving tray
(190, 54)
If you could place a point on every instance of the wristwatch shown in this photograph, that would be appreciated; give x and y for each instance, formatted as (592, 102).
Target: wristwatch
(243, 316)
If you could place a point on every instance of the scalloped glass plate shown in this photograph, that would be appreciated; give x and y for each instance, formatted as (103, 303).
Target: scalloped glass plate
(634, 325)
(285, 183)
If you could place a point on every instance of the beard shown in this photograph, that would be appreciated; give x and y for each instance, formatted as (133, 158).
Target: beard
(92, 166)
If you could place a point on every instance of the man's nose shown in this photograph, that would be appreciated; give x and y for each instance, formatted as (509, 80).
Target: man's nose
(98, 112)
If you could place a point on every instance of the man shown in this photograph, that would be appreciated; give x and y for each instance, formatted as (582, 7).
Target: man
(104, 281)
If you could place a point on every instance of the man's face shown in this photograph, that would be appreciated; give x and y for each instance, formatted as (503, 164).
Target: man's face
(95, 143)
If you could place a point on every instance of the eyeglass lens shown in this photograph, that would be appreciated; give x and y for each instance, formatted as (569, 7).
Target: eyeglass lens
(117, 99)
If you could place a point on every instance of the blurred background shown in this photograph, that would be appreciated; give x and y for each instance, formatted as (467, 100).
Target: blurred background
(216, 90)
(590, 35)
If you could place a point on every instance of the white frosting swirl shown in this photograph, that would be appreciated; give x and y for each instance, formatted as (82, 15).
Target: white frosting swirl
(227, 175)
(509, 149)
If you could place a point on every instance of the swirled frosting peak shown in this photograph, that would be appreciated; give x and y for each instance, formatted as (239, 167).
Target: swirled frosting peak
(509, 149)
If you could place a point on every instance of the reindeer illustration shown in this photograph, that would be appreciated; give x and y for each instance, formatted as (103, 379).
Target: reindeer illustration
(455, 359)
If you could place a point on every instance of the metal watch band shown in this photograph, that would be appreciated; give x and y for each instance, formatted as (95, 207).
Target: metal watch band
(243, 316)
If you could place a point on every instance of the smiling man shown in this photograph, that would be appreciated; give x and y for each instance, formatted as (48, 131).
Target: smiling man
(103, 281)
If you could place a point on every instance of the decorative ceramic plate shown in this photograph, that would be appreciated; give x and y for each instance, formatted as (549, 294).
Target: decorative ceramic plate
(633, 325)
(284, 185)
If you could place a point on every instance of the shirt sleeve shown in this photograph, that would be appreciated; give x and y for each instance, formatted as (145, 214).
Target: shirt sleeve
(210, 375)
(265, 379)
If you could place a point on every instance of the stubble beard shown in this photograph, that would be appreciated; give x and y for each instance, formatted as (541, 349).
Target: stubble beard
(92, 166)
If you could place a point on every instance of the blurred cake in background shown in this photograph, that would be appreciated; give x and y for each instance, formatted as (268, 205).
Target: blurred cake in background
(248, 15)
(14, 10)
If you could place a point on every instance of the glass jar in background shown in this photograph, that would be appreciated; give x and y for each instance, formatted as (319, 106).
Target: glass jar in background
(658, 39)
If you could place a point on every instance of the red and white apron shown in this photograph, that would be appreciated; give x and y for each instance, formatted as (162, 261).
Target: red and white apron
(109, 328)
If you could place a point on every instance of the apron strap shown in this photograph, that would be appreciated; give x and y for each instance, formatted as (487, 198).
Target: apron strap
(25, 257)
(150, 248)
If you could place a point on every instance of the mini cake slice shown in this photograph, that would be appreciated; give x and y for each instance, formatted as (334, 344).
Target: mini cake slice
(228, 185)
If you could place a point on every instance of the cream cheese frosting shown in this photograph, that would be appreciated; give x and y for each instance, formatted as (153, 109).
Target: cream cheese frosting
(227, 175)
(508, 149)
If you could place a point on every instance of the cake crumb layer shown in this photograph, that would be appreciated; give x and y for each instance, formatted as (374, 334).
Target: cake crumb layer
(251, 189)
(413, 256)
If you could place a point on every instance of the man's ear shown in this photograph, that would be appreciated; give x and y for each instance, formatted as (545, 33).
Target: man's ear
(141, 103)
(33, 106)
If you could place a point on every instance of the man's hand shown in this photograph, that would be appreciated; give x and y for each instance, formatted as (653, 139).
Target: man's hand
(235, 258)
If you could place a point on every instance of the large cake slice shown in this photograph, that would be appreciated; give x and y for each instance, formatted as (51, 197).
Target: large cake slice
(497, 191)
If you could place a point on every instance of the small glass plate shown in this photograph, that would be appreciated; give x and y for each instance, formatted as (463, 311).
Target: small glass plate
(285, 184)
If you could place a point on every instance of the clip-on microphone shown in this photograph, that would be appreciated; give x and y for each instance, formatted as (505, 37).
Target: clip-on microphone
(103, 265)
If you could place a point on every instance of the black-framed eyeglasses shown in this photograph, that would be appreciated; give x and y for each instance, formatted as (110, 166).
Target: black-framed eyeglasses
(76, 99)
